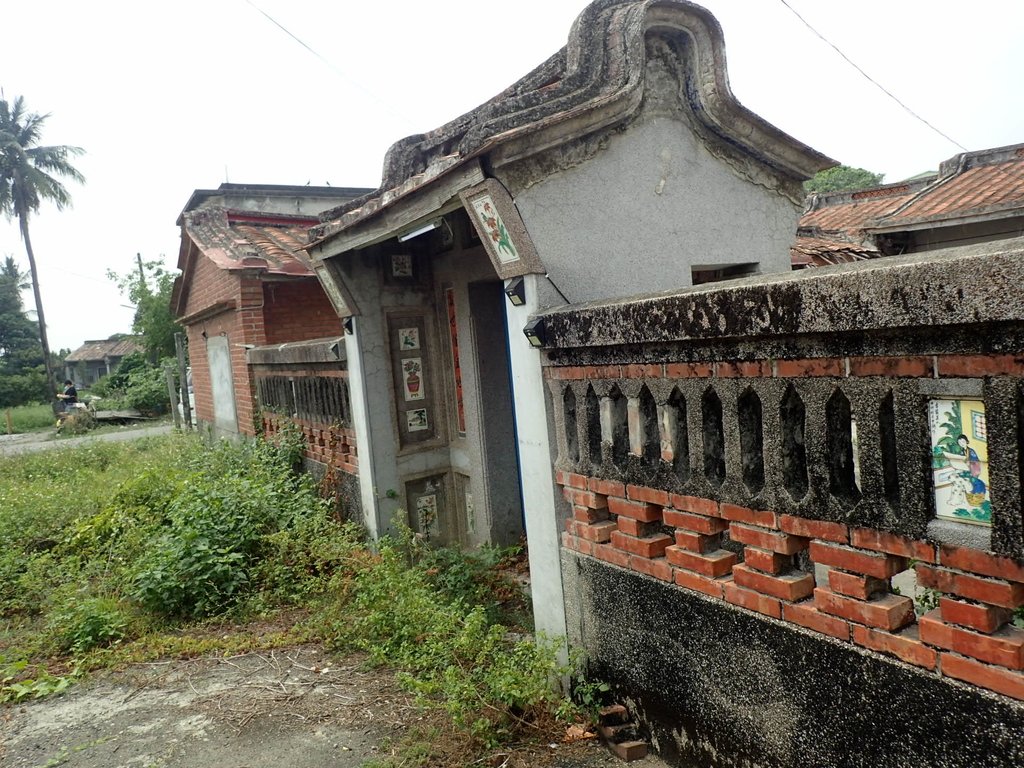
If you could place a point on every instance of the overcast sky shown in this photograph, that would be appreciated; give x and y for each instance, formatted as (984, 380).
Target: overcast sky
(170, 97)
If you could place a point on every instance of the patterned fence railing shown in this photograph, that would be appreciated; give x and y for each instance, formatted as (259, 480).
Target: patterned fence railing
(839, 450)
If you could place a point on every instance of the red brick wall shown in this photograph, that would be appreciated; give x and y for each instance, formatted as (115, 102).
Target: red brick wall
(242, 326)
(329, 444)
(298, 311)
(209, 285)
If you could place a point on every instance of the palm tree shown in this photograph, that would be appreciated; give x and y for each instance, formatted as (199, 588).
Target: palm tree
(29, 174)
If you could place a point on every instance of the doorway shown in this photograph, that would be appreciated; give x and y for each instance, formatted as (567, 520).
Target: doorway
(498, 444)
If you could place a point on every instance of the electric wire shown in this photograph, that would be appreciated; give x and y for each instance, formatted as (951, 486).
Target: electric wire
(874, 82)
(337, 70)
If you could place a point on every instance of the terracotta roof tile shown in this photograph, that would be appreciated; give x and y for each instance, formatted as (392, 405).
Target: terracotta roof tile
(972, 191)
(809, 251)
(985, 182)
(849, 212)
(241, 240)
(101, 349)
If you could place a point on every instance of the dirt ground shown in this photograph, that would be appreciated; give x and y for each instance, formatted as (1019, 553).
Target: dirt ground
(291, 708)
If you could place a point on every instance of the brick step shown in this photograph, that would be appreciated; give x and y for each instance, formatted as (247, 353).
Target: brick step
(621, 734)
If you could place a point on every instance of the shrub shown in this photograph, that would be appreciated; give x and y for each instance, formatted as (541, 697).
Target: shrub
(78, 422)
(486, 680)
(94, 622)
(218, 529)
(134, 384)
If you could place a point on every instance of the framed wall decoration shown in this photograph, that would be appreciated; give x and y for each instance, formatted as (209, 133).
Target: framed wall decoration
(408, 338)
(401, 265)
(417, 420)
(413, 370)
(412, 379)
(501, 229)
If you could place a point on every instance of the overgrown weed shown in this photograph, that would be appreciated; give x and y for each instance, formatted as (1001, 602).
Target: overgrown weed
(112, 554)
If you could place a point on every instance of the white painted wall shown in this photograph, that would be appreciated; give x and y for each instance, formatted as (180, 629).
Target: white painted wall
(364, 435)
(535, 443)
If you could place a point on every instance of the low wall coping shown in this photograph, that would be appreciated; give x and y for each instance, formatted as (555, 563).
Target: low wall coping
(968, 285)
(330, 350)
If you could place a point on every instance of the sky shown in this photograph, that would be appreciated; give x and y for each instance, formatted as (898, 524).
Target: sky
(166, 98)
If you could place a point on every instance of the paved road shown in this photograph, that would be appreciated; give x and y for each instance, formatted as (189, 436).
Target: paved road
(11, 445)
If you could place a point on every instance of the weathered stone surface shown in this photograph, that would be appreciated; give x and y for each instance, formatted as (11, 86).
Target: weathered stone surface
(925, 291)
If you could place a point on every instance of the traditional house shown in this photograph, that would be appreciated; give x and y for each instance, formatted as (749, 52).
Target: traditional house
(98, 358)
(246, 289)
(975, 197)
(621, 164)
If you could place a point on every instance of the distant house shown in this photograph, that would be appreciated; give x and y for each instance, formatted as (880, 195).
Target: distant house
(975, 197)
(98, 358)
(245, 284)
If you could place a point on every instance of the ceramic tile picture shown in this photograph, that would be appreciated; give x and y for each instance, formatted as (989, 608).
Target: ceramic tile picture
(401, 265)
(412, 378)
(408, 338)
(416, 420)
(495, 228)
(426, 513)
(959, 458)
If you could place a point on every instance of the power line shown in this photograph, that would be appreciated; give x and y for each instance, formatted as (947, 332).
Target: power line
(341, 73)
(874, 82)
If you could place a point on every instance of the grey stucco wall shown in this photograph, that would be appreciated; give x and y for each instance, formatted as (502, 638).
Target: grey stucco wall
(640, 213)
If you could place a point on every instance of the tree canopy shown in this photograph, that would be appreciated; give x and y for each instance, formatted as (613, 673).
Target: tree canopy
(842, 178)
(21, 355)
(149, 289)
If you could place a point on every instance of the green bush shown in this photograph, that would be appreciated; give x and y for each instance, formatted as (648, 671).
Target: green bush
(475, 578)
(136, 384)
(17, 389)
(486, 679)
(219, 527)
(94, 622)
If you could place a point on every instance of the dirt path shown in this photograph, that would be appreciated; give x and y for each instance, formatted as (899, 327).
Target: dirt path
(278, 709)
(11, 445)
(291, 708)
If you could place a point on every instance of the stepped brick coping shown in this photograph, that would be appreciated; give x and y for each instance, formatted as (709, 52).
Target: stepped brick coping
(328, 444)
(678, 539)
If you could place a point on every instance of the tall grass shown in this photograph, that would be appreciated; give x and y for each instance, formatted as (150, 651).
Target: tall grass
(28, 418)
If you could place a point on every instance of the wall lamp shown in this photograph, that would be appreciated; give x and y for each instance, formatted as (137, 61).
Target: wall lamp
(422, 229)
(515, 289)
(348, 324)
(534, 332)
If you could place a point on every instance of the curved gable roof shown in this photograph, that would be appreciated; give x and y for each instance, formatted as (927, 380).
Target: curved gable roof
(595, 81)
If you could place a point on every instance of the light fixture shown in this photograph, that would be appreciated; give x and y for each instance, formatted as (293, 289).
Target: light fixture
(422, 229)
(534, 332)
(347, 322)
(515, 289)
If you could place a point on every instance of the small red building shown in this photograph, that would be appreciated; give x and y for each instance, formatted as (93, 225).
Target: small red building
(264, 340)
